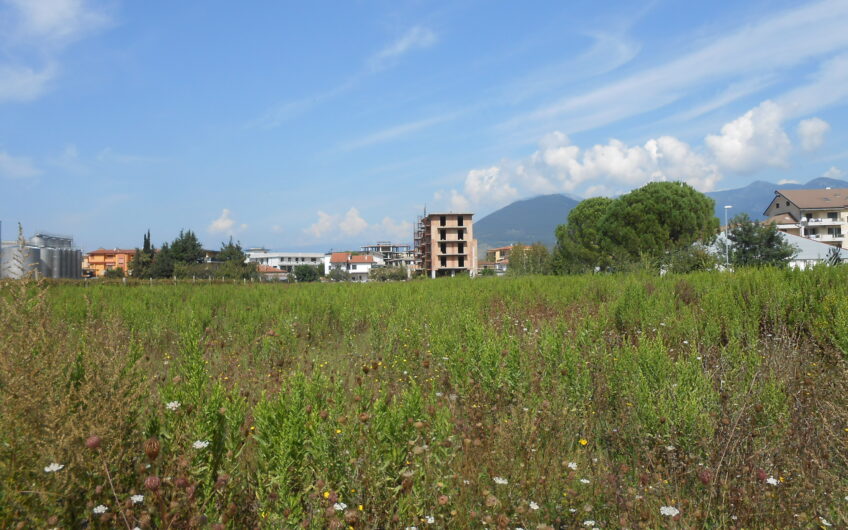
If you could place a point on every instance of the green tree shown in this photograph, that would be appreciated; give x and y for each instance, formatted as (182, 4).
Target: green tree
(114, 273)
(581, 243)
(186, 248)
(658, 218)
(306, 273)
(142, 262)
(339, 275)
(757, 244)
(387, 274)
(534, 259)
(163, 263)
(232, 252)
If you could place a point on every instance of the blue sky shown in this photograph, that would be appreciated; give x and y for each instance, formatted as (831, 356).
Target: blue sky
(318, 125)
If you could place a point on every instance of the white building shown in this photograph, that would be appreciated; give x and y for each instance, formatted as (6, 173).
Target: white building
(358, 266)
(284, 261)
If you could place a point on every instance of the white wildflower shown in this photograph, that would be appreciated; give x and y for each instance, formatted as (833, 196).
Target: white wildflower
(172, 405)
(534, 506)
(669, 511)
(339, 506)
(589, 523)
(669, 448)
(585, 480)
(772, 481)
(430, 519)
(200, 444)
(572, 466)
(54, 467)
(100, 509)
(824, 521)
(572, 510)
(137, 499)
(411, 528)
(500, 480)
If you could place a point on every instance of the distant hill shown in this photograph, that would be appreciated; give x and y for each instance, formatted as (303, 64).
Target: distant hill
(536, 219)
(527, 221)
(754, 198)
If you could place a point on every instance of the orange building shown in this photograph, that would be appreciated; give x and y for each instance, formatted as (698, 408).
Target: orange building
(101, 260)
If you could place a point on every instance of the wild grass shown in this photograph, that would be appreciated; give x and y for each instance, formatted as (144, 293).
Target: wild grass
(532, 402)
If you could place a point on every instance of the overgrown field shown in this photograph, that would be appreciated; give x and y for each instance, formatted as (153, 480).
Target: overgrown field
(707, 400)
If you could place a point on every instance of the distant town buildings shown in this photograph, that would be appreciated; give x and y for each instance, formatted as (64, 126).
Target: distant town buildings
(97, 262)
(393, 255)
(818, 214)
(43, 255)
(284, 261)
(445, 244)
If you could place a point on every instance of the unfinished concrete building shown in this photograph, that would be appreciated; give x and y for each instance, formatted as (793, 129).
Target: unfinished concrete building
(445, 244)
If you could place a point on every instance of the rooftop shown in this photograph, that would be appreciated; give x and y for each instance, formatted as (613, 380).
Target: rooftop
(818, 198)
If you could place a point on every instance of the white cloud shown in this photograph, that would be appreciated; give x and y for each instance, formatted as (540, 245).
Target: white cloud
(324, 225)
(833, 173)
(781, 182)
(753, 140)
(225, 224)
(811, 132)
(393, 230)
(415, 38)
(352, 223)
(773, 44)
(42, 28)
(14, 167)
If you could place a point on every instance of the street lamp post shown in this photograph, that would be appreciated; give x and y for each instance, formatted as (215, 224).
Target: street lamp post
(726, 240)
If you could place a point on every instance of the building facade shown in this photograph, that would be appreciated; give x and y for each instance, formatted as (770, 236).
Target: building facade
(393, 255)
(357, 265)
(284, 261)
(97, 262)
(818, 214)
(445, 244)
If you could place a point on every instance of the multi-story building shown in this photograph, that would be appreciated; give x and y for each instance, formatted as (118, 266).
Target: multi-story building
(393, 255)
(357, 265)
(97, 262)
(284, 261)
(445, 244)
(819, 214)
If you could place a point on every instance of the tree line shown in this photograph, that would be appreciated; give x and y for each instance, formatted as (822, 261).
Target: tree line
(666, 226)
(184, 257)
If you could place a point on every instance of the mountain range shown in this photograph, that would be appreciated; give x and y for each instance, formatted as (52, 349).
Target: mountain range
(536, 219)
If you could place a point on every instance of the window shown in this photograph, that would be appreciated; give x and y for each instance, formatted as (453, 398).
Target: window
(787, 204)
(460, 235)
(443, 261)
(832, 216)
(443, 247)
(459, 220)
(442, 220)
(462, 261)
(461, 249)
(443, 234)
(834, 231)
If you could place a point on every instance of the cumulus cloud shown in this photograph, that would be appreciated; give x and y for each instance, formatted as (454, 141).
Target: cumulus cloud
(753, 140)
(781, 182)
(225, 224)
(331, 226)
(811, 132)
(15, 167)
(352, 223)
(833, 173)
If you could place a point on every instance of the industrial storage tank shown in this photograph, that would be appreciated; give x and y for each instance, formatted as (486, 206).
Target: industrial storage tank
(31, 259)
(67, 256)
(46, 268)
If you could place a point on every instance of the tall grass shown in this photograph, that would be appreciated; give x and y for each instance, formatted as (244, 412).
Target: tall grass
(533, 402)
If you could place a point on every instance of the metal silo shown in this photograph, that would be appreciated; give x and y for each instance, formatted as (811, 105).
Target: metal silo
(46, 261)
(31, 260)
(77, 260)
(56, 263)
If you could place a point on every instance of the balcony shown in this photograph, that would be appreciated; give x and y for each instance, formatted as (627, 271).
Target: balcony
(827, 237)
(822, 221)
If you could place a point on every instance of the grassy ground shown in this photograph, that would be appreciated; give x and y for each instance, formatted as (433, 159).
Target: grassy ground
(710, 400)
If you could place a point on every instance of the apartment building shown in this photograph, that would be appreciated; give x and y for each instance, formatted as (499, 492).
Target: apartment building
(284, 261)
(445, 244)
(818, 214)
(97, 262)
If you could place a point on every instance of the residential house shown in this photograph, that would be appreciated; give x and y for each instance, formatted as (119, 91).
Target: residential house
(498, 258)
(97, 262)
(269, 273)
(284, 261)
(445, 244)
(819, 214)
(357, 265)
(393, 255)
